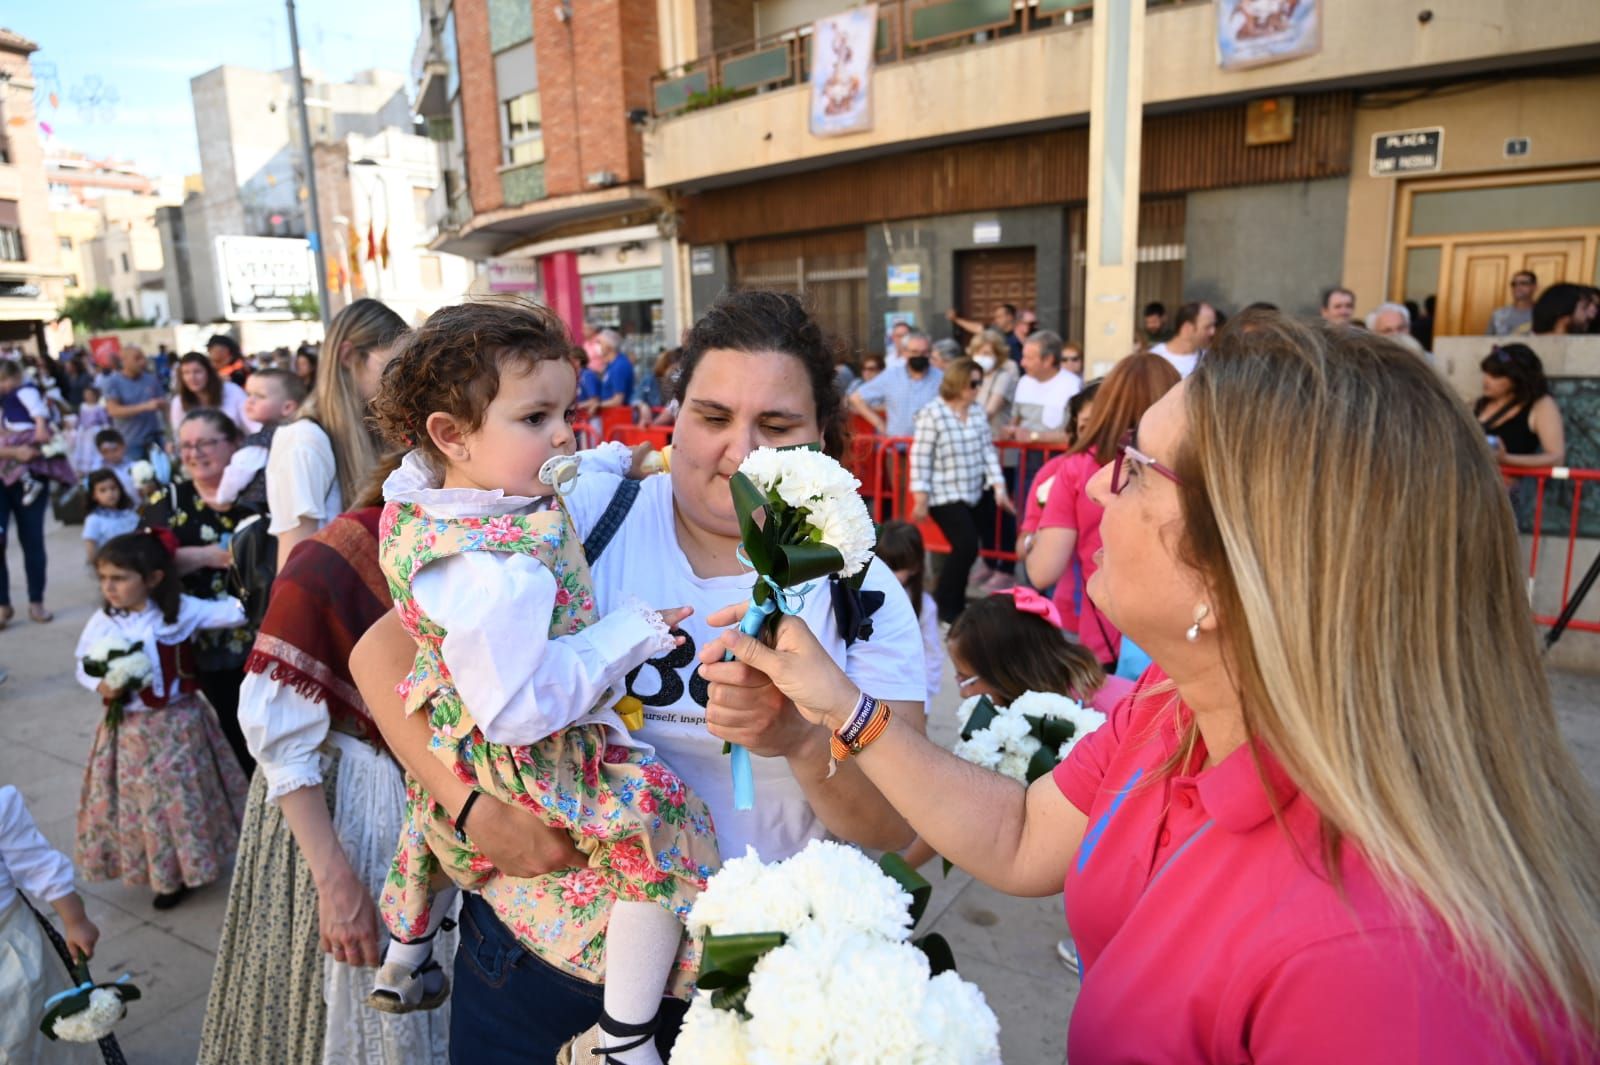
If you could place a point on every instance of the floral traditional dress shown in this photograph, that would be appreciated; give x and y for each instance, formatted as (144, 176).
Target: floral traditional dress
(162, 794)
(646, 836)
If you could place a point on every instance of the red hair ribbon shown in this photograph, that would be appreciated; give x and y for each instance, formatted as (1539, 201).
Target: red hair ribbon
(166, 538)
(1031, 602)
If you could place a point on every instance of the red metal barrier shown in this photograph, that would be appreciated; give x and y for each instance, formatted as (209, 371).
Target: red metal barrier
(657, 436)
(1539, 480)
(883, 465)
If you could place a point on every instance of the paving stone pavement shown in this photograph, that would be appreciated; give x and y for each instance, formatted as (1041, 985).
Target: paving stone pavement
(1007, 946)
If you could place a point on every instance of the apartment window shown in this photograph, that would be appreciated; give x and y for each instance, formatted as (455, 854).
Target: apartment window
(10, 232)
(124, 262)
(66, 243)
(524, 139)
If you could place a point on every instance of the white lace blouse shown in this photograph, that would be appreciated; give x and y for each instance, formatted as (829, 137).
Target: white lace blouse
(27, 861)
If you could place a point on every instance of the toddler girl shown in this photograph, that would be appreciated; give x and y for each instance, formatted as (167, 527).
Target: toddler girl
(901, 547)
(486, 567)
(163, 796)
(111, 512)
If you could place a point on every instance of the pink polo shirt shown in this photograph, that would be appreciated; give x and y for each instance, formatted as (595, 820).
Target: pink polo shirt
(1070, 507)
(1207, 932)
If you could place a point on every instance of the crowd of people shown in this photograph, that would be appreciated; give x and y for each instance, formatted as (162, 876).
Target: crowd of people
(455, 835)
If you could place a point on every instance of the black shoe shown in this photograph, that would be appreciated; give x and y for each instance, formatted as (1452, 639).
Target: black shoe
(167, 900)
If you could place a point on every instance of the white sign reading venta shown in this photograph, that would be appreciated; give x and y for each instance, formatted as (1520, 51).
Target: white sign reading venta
(261, 275)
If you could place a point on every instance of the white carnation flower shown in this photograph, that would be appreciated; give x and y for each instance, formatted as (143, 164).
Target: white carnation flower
(93, 1022)
(142, 472)
(968, 705)
(1009, 727)
(847, 892)
(763, 466)
(710, 1036)
(982, 749)
(1015, 766)
(1045, 704)
(746, 896)
(897, 974)
(102, 649)
(842, 522)
(792, 1003)
(956, 1025)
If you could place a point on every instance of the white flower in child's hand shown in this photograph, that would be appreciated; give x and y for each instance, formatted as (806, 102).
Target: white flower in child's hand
(142, 472)
(95, 1021)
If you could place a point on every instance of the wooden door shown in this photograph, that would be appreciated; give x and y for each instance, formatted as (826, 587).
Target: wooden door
(987, 278)
(1480, 276)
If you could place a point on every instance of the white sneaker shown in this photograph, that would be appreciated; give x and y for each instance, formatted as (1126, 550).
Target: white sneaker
(398, 988)
(1067, 951)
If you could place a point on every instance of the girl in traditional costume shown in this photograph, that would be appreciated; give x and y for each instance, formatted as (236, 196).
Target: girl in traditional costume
(163, 793)
(521, 680)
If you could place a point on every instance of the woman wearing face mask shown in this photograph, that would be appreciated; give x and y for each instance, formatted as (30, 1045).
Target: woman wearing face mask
(1000, 375)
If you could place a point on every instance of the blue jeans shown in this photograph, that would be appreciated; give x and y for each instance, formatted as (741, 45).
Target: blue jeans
(508, 1005)
(29, 524)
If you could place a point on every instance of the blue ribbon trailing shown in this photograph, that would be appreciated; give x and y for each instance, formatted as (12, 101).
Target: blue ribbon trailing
(783, 600)
(87, 985)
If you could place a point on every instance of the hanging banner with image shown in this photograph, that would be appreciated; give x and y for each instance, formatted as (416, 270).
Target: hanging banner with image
(1251, 33)
(841, 72)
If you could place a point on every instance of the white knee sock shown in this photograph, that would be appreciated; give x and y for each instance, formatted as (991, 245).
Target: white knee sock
(641, 943)
(413, 955)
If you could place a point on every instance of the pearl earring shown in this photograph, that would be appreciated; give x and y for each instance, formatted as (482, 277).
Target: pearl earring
(1193, 633)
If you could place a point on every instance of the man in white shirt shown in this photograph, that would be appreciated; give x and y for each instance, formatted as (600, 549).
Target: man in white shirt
(1195, 325)
(1338, 306)
(1039, 408)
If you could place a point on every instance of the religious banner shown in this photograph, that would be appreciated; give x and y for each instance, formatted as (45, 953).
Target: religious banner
(841, 72)
(1251, 33)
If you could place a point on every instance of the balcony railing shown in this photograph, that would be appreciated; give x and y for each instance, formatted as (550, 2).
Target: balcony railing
(906, 29)
(522, 184)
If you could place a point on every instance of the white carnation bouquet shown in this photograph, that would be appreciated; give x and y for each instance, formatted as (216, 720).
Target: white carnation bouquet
(801, 518)
(143, 473)
(124, 666)
(810, 961)
(54, 448)
(1027, 739)
(86, 1013)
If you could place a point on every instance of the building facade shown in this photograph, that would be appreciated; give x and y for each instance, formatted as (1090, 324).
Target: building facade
(32, 282)
(374, 175)
(536, 111)
(973, 182)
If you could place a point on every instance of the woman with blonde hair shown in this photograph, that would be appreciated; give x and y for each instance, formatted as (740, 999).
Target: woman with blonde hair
(318, 461)
(1336, 820)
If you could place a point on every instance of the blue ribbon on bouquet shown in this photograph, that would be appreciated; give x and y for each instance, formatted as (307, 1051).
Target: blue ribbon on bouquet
(783, 600)
(87, 985)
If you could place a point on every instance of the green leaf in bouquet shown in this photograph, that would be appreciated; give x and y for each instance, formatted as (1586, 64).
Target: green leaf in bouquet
(797, 563)
(946, 864)
(1042, 762)
(1051, 731)
(941, 959)
(731, 999)
(983, 716)
(747, 503)
(727, 961)
(96, 669)
(914, 883)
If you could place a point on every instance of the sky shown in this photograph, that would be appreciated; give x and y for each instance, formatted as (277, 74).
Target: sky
(121, 68)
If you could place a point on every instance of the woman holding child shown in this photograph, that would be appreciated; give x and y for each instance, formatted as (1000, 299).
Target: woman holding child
(756, 372)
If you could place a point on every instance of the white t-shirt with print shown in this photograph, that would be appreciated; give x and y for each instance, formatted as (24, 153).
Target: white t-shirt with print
(643, 560)
(1042, 405)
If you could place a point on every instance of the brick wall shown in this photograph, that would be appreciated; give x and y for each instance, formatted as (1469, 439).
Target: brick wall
(480, 105)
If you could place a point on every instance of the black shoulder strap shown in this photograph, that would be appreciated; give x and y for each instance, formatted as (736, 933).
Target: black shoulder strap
(610, 521)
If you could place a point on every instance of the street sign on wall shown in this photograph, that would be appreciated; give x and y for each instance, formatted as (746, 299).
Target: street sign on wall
(1407, 151)
(261, 275)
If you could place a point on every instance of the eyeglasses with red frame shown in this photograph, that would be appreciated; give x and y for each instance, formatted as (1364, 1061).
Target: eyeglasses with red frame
(1129, 456)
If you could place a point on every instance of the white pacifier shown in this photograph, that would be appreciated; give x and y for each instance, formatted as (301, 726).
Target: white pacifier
(559, 472)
